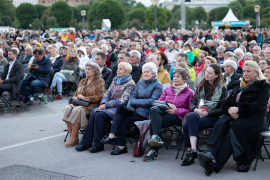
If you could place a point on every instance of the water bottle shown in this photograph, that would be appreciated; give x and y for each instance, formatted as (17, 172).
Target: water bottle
(45, 99)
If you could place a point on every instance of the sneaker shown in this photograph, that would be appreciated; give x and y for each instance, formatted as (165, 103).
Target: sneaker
(48, 91)
(31, 100)
(156, 141)
(40, 96)
(58, 97)
(151, 155)
(26, 99)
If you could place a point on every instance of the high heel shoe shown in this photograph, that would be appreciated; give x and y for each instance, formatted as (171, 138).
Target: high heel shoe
(72, 142)
(192, 154)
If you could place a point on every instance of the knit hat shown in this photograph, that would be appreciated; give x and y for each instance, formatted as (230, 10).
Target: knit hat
(27, 44)
(63, 42)
(37, 43)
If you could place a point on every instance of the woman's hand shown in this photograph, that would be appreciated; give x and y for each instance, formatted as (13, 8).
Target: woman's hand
(80, 97)
(172, 106)
(233, 110)
(205, 113)
(170, 111)
(102, 107)
(201, 112)
(235, 116)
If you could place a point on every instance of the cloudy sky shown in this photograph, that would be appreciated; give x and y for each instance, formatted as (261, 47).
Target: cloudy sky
(147, 2)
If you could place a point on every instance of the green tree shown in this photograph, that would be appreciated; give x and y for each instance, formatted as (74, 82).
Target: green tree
(265, 13)
(7, 8)
(44, 17)
(113, 10)
(265, 22)
(199, 14)
(40, 9)
(77, 14)
(62, 12)
(127, 4)
(139, 5)
(248, 12)
(175, 7)
(177, 14)
(211, 16)
(36, 24)
(26, 13)
(16, 24)
(6, 20)
(92, 14)
(242, 2)
(221, 12)
(237, 9)
(174, 23)
(137, 14)
(161, 17)
(52, 22)
(135, 23)
(85, 7)
(168, 14)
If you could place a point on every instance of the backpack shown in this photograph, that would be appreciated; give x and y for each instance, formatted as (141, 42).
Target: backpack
(140, 147)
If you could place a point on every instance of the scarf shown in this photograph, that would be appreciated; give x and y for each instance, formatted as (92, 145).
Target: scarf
(120, 80)
(178, 89)
(53, 59)
(243, 86)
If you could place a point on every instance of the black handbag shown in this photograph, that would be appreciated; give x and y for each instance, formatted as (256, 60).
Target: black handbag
(78, 102)
(124, 110)
(162, 105)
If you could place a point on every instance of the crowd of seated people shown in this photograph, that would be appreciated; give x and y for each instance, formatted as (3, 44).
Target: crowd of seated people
(122, 75)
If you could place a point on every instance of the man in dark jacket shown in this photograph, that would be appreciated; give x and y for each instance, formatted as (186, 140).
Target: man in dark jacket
(12, 76)
(229, 36)
(28, 54)
(136, 73)
(100, 59)
(159, 36)
(185, 36)
(39, 75)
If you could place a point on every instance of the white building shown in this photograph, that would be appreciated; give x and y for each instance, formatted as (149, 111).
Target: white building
(206, 4)
(16, 3)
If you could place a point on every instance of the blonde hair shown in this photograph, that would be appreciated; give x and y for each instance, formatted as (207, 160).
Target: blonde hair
(171, 42)
(185, 66)
(126, 66)
(55, 49)
(213, 60)
(253, 65)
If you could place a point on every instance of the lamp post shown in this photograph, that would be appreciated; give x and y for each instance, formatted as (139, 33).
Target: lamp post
(30, 26)
(155, 3)
(257, 10)
(83, 13)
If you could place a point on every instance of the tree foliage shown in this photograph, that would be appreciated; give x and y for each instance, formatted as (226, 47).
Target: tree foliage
(168, 14)
(248, 12)
(199, 14)
(127, 4)
(137, 14)
(77, 14)
(237, 9)
(212, 16)
(139, 5)
(62, 12)
(265, 13)
(6, 21)
(26, 13)
(92, 14)
(221, 12)
(7, 8)
(52, 22)
(161, 17)
(36, 24)
(40, 9)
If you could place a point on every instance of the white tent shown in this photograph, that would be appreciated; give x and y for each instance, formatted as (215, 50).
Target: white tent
(230, 16)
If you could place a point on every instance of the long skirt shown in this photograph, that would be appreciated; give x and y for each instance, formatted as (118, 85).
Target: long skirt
(72, 113)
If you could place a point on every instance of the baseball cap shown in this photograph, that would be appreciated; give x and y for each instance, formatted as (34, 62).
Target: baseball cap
(124, 45)
(151, 45)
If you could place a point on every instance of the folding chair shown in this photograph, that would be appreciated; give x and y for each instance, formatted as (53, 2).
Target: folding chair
(72, 86)
(1, 71)
(25, 70)
(7, 100)
(262, 143)
(42, 89)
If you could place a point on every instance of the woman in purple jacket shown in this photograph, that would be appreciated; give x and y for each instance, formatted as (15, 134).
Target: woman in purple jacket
(178, 96)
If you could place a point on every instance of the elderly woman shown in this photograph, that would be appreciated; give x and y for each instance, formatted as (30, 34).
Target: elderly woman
(184, 65)
(236, 132)
(104, 49)
(91, 89)
(117, 95)
(57, 60)
(94, 52)
(178, 96)
(230, 75)
(146, 91)
(208, 60)
(68, 73)
(204, 115)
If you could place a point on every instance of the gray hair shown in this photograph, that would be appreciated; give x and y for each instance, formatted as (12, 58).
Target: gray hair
(231, 63)
(150, 66)
(30, 48)
(95, 67)
(257, 47)
(221, 48)
(234, 42)
(234, 56)
(238, 51)
(138, 54)
(182, 72)
(243, 47)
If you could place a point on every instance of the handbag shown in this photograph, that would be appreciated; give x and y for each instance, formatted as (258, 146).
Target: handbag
(140, 147)
(123, 110)
(162, 105)
(78, 102)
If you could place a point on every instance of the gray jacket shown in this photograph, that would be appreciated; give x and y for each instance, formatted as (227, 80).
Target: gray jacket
(25, 58)
(3, 61)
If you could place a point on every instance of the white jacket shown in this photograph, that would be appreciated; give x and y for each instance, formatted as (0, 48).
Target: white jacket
(84, 58)
(171, 55)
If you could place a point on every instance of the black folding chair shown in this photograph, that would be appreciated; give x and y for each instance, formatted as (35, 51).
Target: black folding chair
(72, 86)
(262, 143)
(8, 100)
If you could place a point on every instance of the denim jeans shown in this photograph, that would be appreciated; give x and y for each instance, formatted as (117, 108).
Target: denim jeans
(58, 79)
(33, 83)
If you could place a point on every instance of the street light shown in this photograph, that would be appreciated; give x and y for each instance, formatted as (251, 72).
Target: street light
(257, 10)
(83, 13)
(155, 3)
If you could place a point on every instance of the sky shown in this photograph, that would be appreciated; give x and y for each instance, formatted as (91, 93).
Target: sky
(147, 2)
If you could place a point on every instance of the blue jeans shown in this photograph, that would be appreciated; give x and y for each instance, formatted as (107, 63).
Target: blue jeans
(33, 83)
(58, 79)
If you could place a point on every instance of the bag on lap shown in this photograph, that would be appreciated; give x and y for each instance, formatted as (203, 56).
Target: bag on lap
(78, 102)
(139, 147)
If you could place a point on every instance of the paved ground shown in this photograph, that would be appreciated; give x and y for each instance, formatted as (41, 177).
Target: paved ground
(32, 147)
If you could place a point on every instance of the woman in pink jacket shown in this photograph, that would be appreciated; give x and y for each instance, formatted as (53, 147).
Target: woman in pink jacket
(178, 96)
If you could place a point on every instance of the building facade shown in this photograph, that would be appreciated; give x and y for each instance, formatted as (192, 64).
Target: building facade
(16, 3)
(70, 2)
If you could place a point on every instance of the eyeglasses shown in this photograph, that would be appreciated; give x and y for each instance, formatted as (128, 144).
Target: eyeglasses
(200, 57)
(260, 64)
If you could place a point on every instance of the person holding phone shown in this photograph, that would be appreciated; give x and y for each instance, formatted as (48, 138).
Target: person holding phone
(211, 90)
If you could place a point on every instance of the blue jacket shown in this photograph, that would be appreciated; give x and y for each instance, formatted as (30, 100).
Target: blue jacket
(58, 63)
(143, 96)
(117, 95)
(92, 37)
(43, 72)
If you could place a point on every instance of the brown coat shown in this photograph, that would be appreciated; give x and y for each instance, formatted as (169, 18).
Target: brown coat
(93, 92)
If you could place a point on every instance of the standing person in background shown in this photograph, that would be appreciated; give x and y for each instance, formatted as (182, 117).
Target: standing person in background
(171, 53)
(71, 34)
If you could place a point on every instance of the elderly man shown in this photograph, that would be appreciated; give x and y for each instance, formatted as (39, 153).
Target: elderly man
(114, 56)
(135, 57)
(39, 75)
(98, 36)
(234, 45)
(267, 53)
(229, 36)
(220, 54)
(100, 59)
(28, 54)
(252, 44)
(257, 50)
(124, 56)
(12, 76)
(3, 60)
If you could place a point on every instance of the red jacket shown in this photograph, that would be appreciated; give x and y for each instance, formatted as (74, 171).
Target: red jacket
(199, 67)
(162, 50)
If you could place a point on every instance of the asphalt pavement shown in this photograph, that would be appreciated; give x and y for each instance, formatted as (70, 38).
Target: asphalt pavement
(32, 148)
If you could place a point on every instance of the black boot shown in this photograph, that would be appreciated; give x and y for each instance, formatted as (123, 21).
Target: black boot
(243, 167)
(208, 162)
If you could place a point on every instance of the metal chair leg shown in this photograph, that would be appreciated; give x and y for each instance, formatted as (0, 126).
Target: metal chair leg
(183, 153)
(66, 137)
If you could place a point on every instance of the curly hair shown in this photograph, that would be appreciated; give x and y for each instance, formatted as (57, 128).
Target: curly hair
(164, 57)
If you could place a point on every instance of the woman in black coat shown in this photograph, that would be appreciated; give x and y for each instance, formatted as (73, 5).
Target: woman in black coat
(236, 132)
(57, 60)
